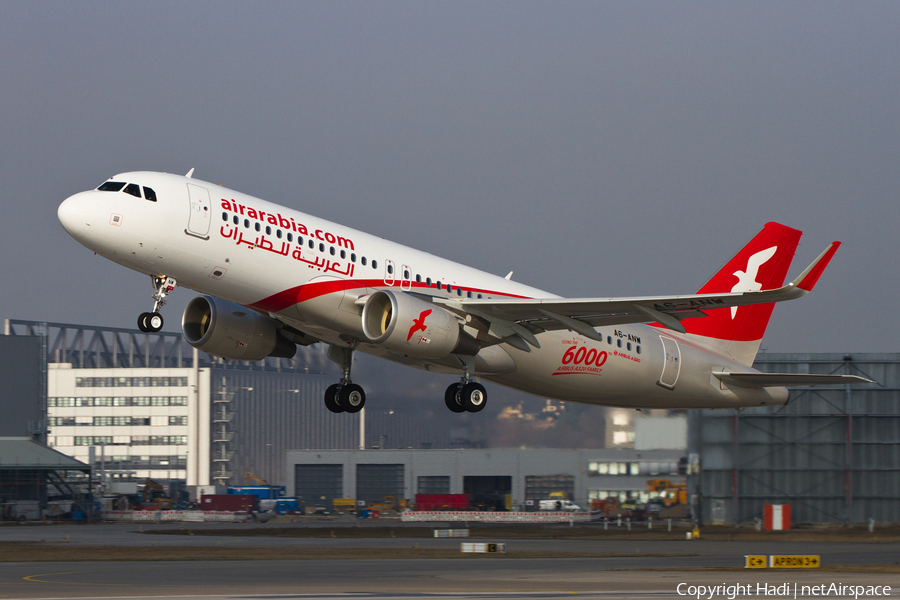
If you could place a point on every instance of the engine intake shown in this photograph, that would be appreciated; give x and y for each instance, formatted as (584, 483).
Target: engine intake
(412, 327)
(232, 331)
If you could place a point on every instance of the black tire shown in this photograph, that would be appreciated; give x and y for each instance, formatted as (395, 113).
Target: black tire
(331, 399)
(154, 322)
(352, 398)
(473, 397)
(142, 322)
(451, 399)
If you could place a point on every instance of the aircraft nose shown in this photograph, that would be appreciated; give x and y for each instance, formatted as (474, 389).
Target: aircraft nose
(75, 215)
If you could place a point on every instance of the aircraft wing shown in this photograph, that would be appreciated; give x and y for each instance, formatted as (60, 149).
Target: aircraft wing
(755, 380)
(516, 321)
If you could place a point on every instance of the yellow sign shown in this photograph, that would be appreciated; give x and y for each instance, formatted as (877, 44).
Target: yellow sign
(756, 562)
(794, 562)
(696, 534)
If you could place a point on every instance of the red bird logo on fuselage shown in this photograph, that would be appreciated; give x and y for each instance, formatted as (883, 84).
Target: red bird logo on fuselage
(418, 324)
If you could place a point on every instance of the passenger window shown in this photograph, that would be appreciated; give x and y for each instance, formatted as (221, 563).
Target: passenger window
(459, 291)
(268, 230)
(428, 281)
(353, 257)
(629, 345)
(374, 264)
(637, 349)
(133, 189)
(418, 278)
(619, 343)
(321, 247)
(469, 294)
(149, 194)
(256, 226)
(390, 269)
(278, 233)
(299, 239)
(247, 223)
(609, 340)
(311, 245)
(236, 220)
(111, 186)
(225, 217)
(332, 250)
(439, 285)
(290, 236)
(449, 288)
(405, 274)
(479, 296)
(363, 261)
(343, 254)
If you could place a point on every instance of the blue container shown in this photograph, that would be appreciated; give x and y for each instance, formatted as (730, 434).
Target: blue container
(365, 513)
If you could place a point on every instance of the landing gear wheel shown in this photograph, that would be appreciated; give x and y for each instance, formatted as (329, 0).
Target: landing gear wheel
(451, 398)
(153, 322)
(352, 398)
(473, 397)
(331, 399)
(142, 322)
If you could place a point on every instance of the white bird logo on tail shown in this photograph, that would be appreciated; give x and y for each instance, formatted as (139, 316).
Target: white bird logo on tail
(747, 279)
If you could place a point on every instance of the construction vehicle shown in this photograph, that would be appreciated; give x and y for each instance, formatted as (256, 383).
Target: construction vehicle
(153, 497)
(344, 505)
(249, 475)
(672, 494)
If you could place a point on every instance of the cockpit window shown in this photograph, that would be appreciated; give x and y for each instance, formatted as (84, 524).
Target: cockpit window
(111, 186)
(149, 194)
(133, 189)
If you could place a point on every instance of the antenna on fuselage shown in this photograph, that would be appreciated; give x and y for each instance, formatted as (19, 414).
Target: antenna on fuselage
(509, 276)
(190, 173)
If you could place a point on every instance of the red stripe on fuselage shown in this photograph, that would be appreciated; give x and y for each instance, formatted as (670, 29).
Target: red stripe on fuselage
(301, 293)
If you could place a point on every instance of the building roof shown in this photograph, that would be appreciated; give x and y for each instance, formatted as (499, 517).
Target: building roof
(25, 453)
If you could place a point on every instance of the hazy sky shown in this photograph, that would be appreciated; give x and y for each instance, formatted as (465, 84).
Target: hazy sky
(595, 148)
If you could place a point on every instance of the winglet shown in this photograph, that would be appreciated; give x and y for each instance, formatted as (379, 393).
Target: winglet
(808, 278)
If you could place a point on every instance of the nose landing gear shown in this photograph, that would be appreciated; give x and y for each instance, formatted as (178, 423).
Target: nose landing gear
(151, 322)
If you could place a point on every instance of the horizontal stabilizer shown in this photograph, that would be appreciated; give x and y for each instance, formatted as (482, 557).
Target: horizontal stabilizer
(760, 380)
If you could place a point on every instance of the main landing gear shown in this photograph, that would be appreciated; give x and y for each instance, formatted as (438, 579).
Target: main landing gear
(151, 322)
(344, 396)
(467, 395)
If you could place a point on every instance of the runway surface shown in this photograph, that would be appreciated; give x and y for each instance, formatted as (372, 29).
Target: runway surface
(649, 569)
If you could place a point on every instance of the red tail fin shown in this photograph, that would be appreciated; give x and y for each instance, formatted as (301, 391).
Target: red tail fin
(761, 264)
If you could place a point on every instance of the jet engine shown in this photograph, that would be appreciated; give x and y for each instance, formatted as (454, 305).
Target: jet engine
(232, 331)
(412, 327)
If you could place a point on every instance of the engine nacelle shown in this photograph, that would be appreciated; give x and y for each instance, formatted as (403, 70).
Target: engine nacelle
(411, 327)
(232, 331)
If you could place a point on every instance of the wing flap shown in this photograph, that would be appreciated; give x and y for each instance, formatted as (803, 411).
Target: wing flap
(761, 380)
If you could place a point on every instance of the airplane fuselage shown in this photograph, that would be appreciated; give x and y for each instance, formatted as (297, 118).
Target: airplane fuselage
(310, 273)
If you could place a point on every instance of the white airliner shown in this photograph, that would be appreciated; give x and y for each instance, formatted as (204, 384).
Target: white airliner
(272, 277)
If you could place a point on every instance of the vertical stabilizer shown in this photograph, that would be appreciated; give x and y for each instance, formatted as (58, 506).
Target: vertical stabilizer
(760, 265)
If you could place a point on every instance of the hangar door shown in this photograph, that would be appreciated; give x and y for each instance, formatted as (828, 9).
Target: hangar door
(318, 485)
(539, 487)
(374, 482)
(490, 492)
